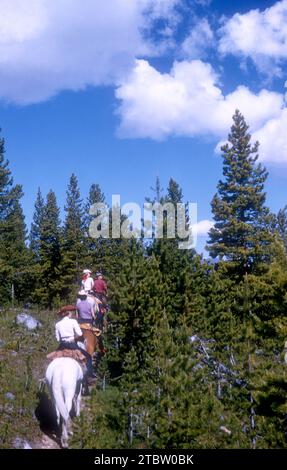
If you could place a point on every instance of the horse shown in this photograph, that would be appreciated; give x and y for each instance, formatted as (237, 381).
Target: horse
(64, 378)
(93, 338)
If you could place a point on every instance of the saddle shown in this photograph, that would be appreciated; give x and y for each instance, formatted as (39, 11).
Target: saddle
(73, 354)
(88, 326)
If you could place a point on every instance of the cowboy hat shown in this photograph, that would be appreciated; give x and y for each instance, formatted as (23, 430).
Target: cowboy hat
(66, 310)
(82, 293)
(87, 271)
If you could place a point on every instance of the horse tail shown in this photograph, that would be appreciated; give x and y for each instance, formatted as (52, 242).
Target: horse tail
(58, 394)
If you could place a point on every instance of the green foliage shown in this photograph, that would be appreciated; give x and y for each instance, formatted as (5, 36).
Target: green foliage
(22, 365)
(35, 232)
(194, 349)
(241, 234)
(73, 247)
(48, 286)
(14, 256)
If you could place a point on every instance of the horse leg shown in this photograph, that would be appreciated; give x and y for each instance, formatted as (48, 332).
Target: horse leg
(78, 401)
(64, 435)
(68, 398)
(54, 403)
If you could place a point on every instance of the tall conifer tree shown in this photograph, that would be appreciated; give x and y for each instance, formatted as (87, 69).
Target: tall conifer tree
(74, 250)
(241, 234)
(48, 286)
(14, 263)
(36, 225)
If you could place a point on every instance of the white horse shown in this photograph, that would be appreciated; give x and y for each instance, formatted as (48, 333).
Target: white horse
(64, 378)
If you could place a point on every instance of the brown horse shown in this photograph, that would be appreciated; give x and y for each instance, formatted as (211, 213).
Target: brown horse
(93, 338)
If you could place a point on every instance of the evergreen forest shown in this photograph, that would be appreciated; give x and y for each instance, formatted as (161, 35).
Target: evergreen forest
(195, 343)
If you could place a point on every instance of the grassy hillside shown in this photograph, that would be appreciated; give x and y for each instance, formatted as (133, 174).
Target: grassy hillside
(22, 366)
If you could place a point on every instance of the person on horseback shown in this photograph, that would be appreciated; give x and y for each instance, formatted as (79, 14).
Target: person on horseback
(87, 280)
(68, 331)
(85, 308)
(87, 318)
(100, 288)
(99, 310)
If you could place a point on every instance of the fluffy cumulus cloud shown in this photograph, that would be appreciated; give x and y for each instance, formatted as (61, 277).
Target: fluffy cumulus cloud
(46, 47)
(188, 101)
(272, 137)
(259, 35)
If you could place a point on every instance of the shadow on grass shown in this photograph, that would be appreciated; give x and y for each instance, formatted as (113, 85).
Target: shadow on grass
(46, 416)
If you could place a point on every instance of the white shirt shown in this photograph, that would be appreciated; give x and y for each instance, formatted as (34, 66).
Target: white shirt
(88, 284)
(66, 329)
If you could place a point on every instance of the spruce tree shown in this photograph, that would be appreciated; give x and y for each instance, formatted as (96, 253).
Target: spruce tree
(73, 249)
(241, 234)
(281, 225)
(14, 259)
(48, 286)
(34, 237)
(136, 302)
(95, 196)
(173, 262)
(95, 248)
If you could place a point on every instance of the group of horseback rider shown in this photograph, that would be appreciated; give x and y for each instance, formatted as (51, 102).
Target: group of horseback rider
(85, 320)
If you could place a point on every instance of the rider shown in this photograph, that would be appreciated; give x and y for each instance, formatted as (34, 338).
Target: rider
(100, 288)
(85, 308)
(68, 332)
(87, 280)
(87, 314)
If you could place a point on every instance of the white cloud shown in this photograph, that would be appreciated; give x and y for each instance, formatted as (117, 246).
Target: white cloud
(259, 35)
(20, 20)
(187, 102)
(273, 141)
(200, 38)
(202, 228)
(48, 46)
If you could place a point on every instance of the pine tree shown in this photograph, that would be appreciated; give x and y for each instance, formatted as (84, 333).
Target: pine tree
(181, 407)
(73, 250)
(174, 192)
(95, 196)
(241, 234)
(36, 225)
(281, 225)
(136, 302)
(95, 248)
(130, 401)
(158, 190)
(48, 286)
(173, 262)
(14, 259)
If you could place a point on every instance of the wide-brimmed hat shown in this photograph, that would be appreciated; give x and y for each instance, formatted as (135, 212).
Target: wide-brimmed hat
(82, 292)
(87, 271)
(66, 309)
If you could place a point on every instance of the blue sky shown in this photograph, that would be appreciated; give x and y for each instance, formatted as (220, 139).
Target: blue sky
(121, 92)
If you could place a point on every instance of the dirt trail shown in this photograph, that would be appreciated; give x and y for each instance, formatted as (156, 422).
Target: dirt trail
(50, 440)
(47, 443)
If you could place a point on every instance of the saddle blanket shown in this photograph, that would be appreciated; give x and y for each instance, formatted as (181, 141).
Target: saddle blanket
(74, 354)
